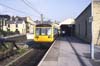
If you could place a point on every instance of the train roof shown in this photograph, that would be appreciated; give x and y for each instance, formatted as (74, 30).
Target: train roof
(43, 25)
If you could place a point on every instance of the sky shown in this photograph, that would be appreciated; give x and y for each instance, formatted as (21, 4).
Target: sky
(51, 9)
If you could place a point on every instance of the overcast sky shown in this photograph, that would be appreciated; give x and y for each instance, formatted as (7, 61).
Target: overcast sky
(52, 9)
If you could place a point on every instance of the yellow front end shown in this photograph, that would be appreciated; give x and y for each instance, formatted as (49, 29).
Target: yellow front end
(42, 38)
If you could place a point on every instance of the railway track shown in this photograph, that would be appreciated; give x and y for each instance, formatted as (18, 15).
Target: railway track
(31, 58)
(39, 51)
(35, 58)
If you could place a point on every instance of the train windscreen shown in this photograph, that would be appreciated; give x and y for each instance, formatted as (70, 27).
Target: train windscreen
(43, 31)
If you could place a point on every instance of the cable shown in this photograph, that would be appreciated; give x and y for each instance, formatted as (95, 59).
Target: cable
(32, 7)
(13, 9)
(24, 1)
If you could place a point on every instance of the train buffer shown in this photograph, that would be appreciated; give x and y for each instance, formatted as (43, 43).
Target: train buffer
(67, 52)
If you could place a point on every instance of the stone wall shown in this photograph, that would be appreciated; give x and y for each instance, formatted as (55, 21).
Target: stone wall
(96, 22)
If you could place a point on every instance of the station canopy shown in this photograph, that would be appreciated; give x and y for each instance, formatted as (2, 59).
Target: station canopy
(67, 22)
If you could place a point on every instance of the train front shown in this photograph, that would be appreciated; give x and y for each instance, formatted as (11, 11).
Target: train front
(43, 33)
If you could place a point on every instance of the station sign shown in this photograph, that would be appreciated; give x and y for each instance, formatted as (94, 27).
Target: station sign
(91, 19)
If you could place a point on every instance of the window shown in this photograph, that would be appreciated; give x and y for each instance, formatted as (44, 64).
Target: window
(86, 28)
(8, 29)
(16, 25)
(17, 31)
(8, 25)
(5, 23)
(79, 29)
(27, 27)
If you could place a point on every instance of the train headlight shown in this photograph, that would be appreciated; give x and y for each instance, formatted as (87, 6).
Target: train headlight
(36, 36)
(49, 36)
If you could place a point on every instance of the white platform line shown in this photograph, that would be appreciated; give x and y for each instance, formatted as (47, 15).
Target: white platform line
(46, 54)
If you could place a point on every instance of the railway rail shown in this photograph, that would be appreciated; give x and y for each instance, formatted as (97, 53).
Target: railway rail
(37, 55)
(32, 57)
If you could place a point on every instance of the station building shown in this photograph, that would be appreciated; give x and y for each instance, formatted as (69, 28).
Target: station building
(67, 27)
(83, 24)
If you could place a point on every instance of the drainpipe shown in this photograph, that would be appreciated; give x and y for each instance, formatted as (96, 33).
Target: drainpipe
(92, 44)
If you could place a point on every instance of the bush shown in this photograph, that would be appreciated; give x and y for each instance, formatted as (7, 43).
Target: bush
(6, 33)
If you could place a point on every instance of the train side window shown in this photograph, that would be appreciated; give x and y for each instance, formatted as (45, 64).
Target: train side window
(37, 31)
(49, 32)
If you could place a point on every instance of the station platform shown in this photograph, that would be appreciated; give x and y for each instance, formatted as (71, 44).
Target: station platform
(68, 52)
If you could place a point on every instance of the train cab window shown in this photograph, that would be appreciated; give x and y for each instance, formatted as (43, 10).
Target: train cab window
(43, 31)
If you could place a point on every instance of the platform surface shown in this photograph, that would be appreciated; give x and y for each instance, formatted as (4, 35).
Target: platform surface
(68, 52)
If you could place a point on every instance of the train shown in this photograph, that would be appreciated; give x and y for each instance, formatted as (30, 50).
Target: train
(45, 33)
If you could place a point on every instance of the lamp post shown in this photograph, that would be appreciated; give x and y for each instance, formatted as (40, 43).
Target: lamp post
(41, 18)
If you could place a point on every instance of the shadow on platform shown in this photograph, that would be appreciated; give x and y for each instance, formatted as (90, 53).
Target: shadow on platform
(96, 61)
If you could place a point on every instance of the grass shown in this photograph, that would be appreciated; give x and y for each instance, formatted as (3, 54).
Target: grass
(21, 51)
(8, 45)
(2, 49)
